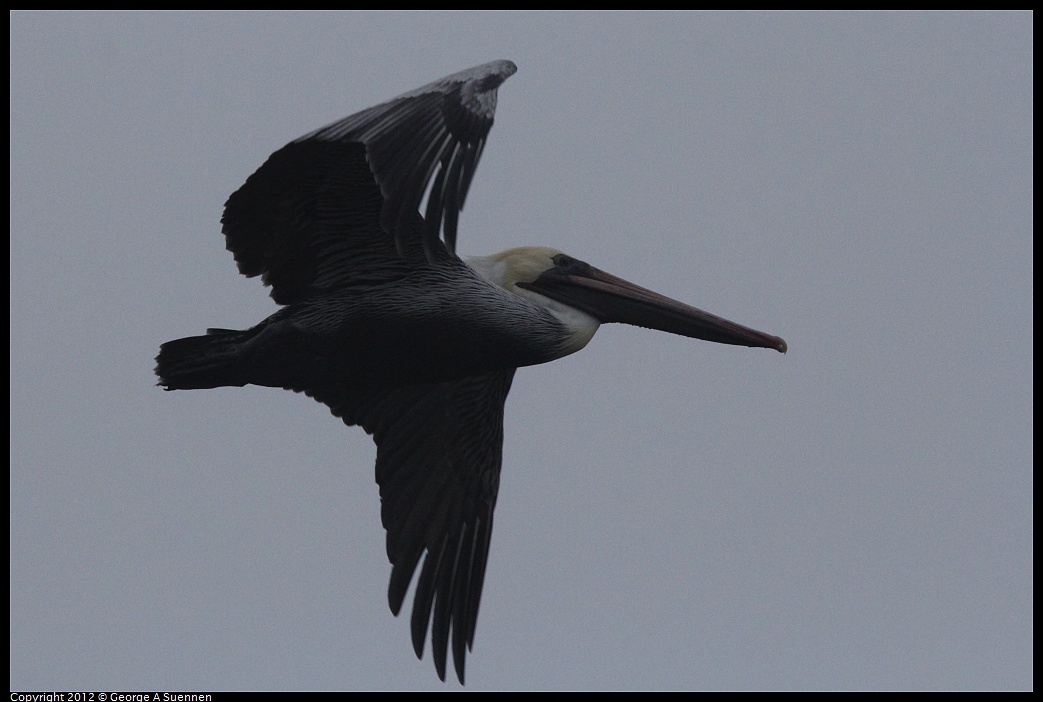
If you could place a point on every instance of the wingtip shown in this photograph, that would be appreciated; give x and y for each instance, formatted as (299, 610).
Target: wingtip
(458, 662)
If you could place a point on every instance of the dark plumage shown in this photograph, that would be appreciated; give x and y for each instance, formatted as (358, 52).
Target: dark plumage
(383, 323)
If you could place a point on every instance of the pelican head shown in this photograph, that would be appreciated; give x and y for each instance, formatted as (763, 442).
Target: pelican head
(583, 297)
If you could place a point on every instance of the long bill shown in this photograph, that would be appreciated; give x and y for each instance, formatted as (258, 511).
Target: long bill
(611, 299)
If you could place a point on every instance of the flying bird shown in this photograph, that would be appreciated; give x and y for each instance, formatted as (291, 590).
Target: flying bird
(382, 322)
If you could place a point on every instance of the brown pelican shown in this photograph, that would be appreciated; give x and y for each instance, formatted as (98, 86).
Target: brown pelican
(383, 323)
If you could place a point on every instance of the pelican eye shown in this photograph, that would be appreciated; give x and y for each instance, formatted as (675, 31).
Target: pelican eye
(567, 265)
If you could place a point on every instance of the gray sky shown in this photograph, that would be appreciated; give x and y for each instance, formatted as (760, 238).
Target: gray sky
(672, 513)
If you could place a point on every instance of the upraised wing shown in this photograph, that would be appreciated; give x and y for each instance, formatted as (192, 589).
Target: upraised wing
(317, 215)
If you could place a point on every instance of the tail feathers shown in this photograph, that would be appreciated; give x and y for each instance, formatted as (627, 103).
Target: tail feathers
(198, 362)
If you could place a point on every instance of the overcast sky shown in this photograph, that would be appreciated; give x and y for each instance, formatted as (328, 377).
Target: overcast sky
(673, 514)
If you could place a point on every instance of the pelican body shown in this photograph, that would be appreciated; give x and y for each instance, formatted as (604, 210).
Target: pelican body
(387, 326)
